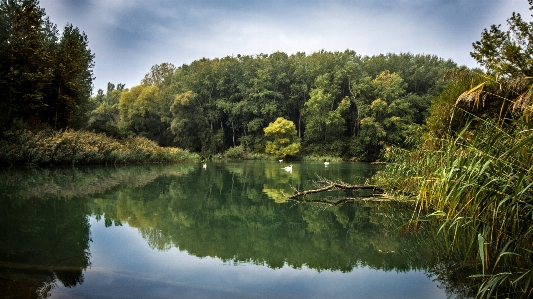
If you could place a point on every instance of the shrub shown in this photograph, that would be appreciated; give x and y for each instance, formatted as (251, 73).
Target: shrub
(25, 147)
(236, 153)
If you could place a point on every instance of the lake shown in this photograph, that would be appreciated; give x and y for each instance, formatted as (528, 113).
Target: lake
(226, 231)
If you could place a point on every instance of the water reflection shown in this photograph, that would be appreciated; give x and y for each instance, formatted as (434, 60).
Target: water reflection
(42, 241)
(228, 211)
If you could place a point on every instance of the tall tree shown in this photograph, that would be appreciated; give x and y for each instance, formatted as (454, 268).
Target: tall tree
(26, 45)
(189, 124)
(325, 117)
(43, 78)
(510, 52)
(68, 100)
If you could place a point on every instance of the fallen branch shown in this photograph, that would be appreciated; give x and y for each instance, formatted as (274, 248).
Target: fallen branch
(377, 193)
(336, 186)
(376, 198)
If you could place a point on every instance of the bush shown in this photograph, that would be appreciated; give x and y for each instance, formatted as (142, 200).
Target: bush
(235, 153)
(25, 147)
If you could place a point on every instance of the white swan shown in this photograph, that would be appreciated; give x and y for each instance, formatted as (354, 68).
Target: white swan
(280, 160)
(204, 165)
(326, 163)
(288, 168)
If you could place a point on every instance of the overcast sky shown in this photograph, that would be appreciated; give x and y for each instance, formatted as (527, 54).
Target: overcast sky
(129, 36)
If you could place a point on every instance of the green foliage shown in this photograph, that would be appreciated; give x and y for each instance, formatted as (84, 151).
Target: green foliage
(285, 141)
(105, 116)
(480, 186)
(235, 153)
(79, 147)
(507, 53)
(472, 168)
(142, 111)
(189, 123)
(44, 78)
(325, 95)
(324, 118)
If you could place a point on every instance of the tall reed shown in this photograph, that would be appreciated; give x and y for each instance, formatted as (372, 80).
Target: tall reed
(480, 185)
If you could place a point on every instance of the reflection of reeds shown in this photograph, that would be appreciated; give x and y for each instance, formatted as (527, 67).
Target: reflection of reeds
(411, 227)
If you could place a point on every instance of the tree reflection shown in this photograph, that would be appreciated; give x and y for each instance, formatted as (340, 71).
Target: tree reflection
(218, 212)
(43, 241)
(44, 228)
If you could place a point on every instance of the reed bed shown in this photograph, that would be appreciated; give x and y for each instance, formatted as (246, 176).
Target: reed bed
(479, 187)
(46, 147)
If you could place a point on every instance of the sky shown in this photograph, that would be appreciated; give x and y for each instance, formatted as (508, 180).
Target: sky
(128, 37)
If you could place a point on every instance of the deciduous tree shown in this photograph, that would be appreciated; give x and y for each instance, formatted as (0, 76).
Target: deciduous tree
(285, 141)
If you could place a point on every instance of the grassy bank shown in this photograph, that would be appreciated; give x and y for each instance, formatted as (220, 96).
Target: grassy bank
(479, 186)
(46, 147)
(240, 153)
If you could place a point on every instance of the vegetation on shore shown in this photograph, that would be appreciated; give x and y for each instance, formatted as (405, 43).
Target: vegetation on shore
(340, 104)
(52, 147)
(472, 168)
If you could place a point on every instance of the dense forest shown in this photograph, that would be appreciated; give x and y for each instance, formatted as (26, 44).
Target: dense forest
(45, 77)
(341, 104)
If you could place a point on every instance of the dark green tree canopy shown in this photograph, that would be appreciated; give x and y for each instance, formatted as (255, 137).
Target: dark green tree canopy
(211, 105)
(44, 77)
(507, 52)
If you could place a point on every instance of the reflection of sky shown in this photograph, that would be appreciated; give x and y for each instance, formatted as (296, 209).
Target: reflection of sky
(124, 266)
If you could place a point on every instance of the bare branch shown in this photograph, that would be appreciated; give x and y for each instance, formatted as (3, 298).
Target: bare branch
(337, 186)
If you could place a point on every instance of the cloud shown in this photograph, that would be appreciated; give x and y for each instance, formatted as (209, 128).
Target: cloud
(129, 36)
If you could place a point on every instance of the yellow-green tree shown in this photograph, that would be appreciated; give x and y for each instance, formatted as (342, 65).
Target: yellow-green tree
(285, 140)
(140, 111)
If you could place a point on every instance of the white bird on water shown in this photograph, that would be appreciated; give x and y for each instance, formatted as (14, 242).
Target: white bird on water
(204, 165)
(326, 163)
(288, 168)
(280, 160)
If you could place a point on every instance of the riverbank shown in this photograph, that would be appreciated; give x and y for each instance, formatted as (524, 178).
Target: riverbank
(69, 147)
(478, 186)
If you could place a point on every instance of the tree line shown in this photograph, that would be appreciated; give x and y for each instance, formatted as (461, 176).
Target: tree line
(340, 103)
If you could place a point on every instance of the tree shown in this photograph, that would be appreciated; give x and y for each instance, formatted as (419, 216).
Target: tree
(43, 78)
(25, 53)
(324, 116)
(139, 111)
(510, 52)
(68, 100)
(105, 115)
(285, 140)
(189, 124)
(159, 75)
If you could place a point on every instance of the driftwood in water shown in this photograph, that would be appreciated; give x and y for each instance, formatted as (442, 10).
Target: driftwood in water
(376, 193)
(375, 198)
(337, 186)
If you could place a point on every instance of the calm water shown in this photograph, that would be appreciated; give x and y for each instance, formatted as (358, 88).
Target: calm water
(181, 231)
